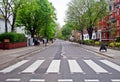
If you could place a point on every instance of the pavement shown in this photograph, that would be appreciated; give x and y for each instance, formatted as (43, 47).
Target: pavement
(111, 53)
(8, 56)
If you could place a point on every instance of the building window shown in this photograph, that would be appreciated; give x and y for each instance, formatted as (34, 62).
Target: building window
(117, 22)
(104, 35)
(110, 8)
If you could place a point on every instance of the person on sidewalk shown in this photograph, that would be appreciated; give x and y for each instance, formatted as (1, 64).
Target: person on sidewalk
(102, 47)
(45, 41)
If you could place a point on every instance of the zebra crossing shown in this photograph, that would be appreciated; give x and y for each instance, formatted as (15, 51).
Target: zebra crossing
(33, 67)
(54, 66)
(11, 68)
(60, 80)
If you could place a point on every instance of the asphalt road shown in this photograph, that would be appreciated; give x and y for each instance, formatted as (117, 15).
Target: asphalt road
(62, 62)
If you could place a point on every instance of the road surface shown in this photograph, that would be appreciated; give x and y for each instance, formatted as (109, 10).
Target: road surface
(62, 62)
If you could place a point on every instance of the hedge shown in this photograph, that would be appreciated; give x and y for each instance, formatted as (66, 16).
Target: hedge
(118, 39)
(13, 37)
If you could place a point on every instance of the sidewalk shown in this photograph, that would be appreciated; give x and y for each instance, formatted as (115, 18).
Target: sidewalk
(115, 54)
(10, 56)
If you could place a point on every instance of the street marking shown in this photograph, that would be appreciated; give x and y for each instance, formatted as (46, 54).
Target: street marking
(37, 80)
(112, 65)
(95, 67)
(115, 80)
(74, 66)
(13, 67)
(33, 67)
(65, 80)
(12, 80)
(54, 67)
(91, 80)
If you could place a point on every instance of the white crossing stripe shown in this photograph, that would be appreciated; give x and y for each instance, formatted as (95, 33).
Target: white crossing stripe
(13, 67)
(112, 65)
(12, 80)
(54, 67)
(33, 67)
(37, 80)
(95, 67)
(74, 66)
(115, 80)
(65, 80)
(91, 80)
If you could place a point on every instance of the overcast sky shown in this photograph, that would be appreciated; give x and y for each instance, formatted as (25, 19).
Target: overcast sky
(61, 7)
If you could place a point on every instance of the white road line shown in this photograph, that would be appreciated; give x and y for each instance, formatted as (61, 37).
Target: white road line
(65, 80)
(13, 67)
(91, 80)
(115, 80)
(12, 80)
(54, 67)
(95, 67)
(33, 67)
(74, 66)
(37, 80)
(112, 65)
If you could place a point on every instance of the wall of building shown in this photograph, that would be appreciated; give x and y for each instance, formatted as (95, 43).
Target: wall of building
(110, 25)
(2, 26)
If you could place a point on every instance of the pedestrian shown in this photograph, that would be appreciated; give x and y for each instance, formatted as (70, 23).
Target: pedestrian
(43, 41)
(102, 47)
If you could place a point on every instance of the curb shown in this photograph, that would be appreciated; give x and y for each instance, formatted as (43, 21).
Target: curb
(22, 56)
(18, 58)
(98, 52)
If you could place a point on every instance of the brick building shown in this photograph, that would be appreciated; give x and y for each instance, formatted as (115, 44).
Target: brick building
(109, 27)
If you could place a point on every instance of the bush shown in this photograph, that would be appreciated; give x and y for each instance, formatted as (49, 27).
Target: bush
(13, 37)
(117, 44)
(118, 39)
(89, 42)
(112, 44)
(97, 43)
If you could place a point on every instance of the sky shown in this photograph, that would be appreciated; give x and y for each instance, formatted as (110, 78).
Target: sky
(61, 7)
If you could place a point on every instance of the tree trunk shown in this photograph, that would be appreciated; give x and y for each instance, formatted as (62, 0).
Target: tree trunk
(6, 28)
(13, 24)
(90, 31)
(32, 34)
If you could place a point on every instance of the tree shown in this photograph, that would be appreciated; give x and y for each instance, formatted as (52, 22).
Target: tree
(66, 31)
(16, 4)
(75, 16)
(37, 17)
(9, 10)
(95, 11)
(5, 10)
(49, 26)
(85, 13)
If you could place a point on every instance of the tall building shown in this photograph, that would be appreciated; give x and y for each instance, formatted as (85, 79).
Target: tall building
(109, 27)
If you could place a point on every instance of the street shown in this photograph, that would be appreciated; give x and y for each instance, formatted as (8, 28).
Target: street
(63, 61)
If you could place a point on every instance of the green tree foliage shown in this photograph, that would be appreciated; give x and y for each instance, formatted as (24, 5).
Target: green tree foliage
(49, 26)
(75, 17)
(66, 31)
(85, 14)
(95, 11)
(38, 17)
(29, 16)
